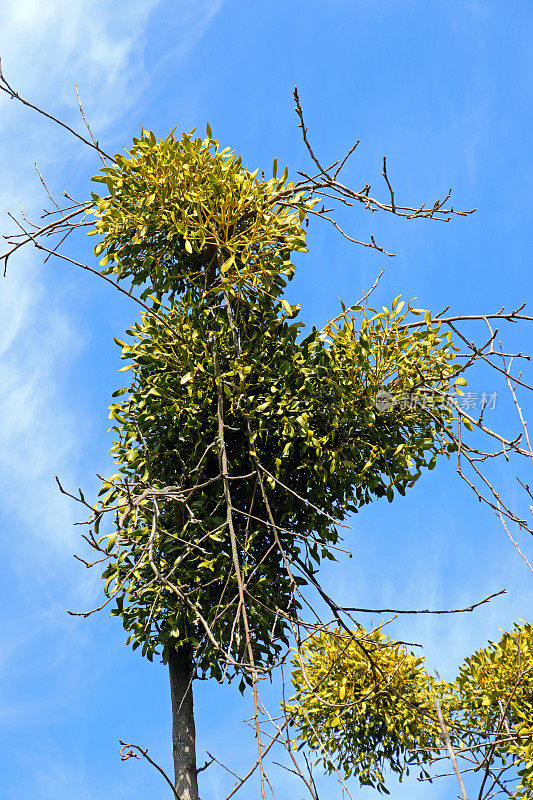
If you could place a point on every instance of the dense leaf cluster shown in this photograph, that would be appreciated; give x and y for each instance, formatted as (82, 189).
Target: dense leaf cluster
(365, 705)
(314, 427)
(221, 365)
(495, 690)
(174, 203)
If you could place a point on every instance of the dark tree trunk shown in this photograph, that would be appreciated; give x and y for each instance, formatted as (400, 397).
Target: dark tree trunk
(183, 731)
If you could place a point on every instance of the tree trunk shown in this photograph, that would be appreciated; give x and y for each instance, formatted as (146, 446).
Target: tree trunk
(183, 731)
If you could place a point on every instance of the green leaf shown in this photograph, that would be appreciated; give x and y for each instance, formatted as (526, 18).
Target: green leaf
(286, 306)
(227, 264)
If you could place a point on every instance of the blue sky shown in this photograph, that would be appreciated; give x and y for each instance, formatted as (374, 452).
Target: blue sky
(444, 90)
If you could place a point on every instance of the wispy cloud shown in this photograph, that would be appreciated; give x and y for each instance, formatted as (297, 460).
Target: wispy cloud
(45, 49)
(192, 19)
(49, 46)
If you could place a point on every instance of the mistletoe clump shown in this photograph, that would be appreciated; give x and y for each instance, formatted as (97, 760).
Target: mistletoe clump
(176, 205)
(240, 442)
(365, 704)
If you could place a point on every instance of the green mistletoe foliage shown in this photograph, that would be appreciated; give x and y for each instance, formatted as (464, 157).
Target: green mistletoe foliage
(221, 372)
(174, 203)
(365, 704)
(495, 691)
(313, 426)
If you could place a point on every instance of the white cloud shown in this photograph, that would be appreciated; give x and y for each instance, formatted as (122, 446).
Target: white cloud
(45, 49)
(37, 434)
(49, 46)
(195, 17)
